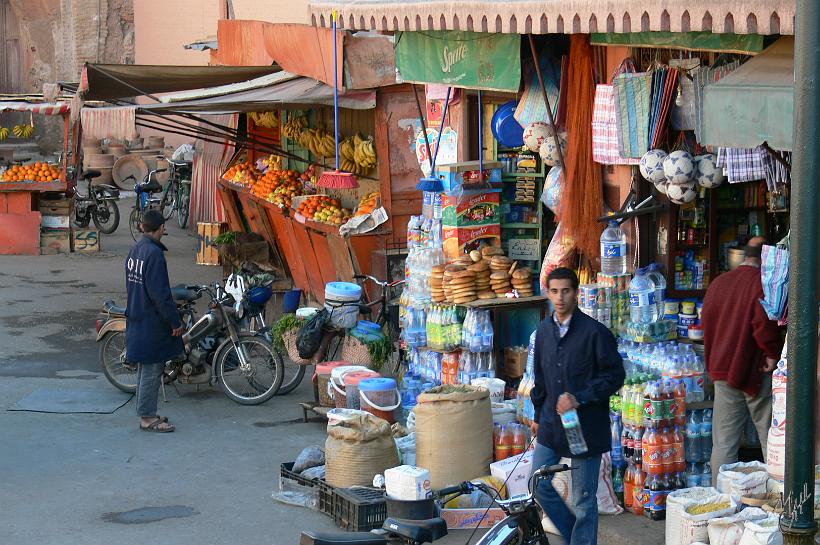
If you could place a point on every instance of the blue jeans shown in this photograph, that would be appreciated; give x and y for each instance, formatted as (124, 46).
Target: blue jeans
(580, 528)
(149, 380)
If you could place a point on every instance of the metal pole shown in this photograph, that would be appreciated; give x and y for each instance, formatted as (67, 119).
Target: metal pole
(797, 521)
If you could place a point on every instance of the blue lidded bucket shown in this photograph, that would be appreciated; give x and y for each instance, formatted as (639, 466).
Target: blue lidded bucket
(342, 302)
(291, 301)
(380, 397)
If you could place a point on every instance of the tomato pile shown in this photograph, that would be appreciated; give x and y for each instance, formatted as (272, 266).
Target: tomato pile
(278, 186)
(324, 209)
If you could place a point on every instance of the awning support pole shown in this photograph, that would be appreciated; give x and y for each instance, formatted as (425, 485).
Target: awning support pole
(797, 522)
(537, 62)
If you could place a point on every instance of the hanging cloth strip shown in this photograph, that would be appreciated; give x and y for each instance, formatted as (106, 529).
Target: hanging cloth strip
(702, 77)
(741, 164)
(632, 94)
(777, 174)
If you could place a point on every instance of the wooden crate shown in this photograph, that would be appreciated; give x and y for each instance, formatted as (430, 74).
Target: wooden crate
(56, 207)
(207, 233)
(85, 241)
(55, 242)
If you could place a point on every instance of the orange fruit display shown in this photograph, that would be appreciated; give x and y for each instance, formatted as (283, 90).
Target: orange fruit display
(32, 172)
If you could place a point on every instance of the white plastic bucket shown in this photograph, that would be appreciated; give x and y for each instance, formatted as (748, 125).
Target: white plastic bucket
(306, 312)
(341, 301)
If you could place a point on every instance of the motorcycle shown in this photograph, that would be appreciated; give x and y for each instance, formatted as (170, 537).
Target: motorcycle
(98, 204)
(217, 348)
(521, 526)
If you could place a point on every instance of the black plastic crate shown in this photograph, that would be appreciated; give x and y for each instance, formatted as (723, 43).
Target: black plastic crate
(327, 496)
(286, 472)
(359, 509)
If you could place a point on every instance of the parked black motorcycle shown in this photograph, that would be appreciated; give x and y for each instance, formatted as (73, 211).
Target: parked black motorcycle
(217, 348)
(98, 204)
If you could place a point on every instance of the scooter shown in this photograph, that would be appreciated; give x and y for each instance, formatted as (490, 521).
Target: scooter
(522, 526)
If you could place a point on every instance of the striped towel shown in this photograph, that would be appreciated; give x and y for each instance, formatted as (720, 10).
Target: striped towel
(116, 122)
(632, 113)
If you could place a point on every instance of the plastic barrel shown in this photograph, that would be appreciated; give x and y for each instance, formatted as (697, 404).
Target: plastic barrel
(341, 301)
(351, 382)
(380, 397)
(323, 371)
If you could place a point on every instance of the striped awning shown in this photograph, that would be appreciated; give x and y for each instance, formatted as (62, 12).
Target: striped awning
(561, 16)
(41, 108)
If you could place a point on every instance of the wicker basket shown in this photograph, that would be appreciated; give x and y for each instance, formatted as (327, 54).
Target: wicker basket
(293, 353)
(356, 352)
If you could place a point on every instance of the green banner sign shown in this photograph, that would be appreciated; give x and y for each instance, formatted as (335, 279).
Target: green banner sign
(472, 60)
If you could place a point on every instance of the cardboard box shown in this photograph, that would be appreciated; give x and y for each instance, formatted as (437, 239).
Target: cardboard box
(466, 519)
(515, 362)
(85, 241)
(470, 208)
(407, 483)
(55, 242)
(455, 175)
(516, 473)
(457, 239)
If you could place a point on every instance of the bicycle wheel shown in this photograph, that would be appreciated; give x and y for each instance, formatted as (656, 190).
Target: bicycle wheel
(183, 204)
(106, 216)
(117, 370)
(134, 223)
(293, 373)
(252, 384)
(167, 204)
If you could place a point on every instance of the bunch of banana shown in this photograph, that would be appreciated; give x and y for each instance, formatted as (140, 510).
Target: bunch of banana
(294, 127)
(319, 142)
(4, 133)
(585, 275)
(364, 153)
(347, 150)
(23, 131)
(265, 119)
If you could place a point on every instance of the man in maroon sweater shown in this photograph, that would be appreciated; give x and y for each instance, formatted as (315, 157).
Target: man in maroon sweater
(742, 347)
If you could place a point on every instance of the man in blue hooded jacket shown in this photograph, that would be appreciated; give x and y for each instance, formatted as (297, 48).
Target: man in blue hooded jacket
(154, 328)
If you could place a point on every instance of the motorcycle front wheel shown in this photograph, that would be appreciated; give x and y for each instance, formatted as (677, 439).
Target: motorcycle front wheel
(134, 223)
(256, 383)
(106, 216)
(117, 370)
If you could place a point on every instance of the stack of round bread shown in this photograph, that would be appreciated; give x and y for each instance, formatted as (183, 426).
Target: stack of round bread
(500, 274)
(437, 284)
(459, 284)
(522, 282)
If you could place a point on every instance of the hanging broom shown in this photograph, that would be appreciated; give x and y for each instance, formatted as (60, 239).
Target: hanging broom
(337, 179)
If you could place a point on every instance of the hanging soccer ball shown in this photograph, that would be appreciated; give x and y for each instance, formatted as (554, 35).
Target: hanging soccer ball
(679, 167)
(708, 175)
(549, 151)
(535, 134)
(682, 193)
(651, 166)
(663, 186)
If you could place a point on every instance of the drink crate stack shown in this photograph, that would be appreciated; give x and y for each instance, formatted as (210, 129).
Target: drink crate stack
(55, 226)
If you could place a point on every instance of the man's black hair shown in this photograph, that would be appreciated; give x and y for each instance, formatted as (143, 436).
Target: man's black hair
(563, 273)
(152, 220)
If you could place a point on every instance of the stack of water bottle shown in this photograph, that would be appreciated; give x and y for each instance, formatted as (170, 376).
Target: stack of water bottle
(425, 250)
(613, 275)
(698, 447)
(595, 301)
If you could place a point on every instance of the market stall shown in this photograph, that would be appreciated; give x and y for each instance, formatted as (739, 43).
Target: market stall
(28, 188)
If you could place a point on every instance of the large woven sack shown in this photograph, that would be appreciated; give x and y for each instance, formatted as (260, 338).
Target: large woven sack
(359, 446)
(356, 352)
(454, 434)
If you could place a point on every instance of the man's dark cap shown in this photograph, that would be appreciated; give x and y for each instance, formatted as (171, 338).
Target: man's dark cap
(152, 220)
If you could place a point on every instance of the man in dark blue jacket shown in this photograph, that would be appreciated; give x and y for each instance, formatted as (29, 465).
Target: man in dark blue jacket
(154, 328)
(577, 366)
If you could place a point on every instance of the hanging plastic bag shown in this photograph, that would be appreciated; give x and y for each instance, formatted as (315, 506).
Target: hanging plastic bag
(310, 334)
(774, 275)
(559, 253)
(553, 186)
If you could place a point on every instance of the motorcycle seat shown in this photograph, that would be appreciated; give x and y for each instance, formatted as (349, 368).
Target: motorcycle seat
(90, 174)
(181, 293)
(333, 538)
(419, 531)
(111, 308)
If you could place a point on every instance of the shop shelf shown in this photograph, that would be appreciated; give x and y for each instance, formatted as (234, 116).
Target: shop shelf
(519, 226)
(359, 509)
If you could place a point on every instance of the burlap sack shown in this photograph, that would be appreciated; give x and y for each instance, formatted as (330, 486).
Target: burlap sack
(359, 446)
(454, 434)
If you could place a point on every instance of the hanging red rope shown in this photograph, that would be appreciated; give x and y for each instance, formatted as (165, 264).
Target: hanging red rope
(583, 199)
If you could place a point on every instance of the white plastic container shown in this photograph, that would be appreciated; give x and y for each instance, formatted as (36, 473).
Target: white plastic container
(341, 301)
(306, 312)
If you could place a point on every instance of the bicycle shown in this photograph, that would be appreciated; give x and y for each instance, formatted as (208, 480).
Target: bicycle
(388, 316)
(144, 201)
(176, 198)
(521, 526)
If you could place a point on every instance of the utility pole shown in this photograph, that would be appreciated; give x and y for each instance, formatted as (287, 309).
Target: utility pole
(797, 521)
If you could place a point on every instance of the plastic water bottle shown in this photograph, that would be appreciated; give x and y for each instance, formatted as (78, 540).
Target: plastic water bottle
(613, 250)
(706, 435)
(692, 439)
(659, 281)
(487, 332)
(575, 436)
(697, 377)
(615, 437)
(706, 475)
(642, 307)
(693, 473)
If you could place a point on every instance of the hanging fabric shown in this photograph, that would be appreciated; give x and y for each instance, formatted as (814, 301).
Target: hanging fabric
(741, 164)
(210, 161)
(605, 149)
(703, 77)
(774, 275)
(632, 93)
(531, 107)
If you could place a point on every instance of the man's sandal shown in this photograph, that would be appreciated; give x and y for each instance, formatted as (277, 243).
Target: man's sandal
(158, 426)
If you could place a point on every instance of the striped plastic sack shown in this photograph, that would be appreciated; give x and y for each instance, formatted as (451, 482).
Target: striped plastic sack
(632, 94)
(774, 275)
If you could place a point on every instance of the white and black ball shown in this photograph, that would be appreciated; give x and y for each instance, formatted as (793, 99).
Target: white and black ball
(679, 167)
(651, 165)
(682, 193)
(708, 174)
